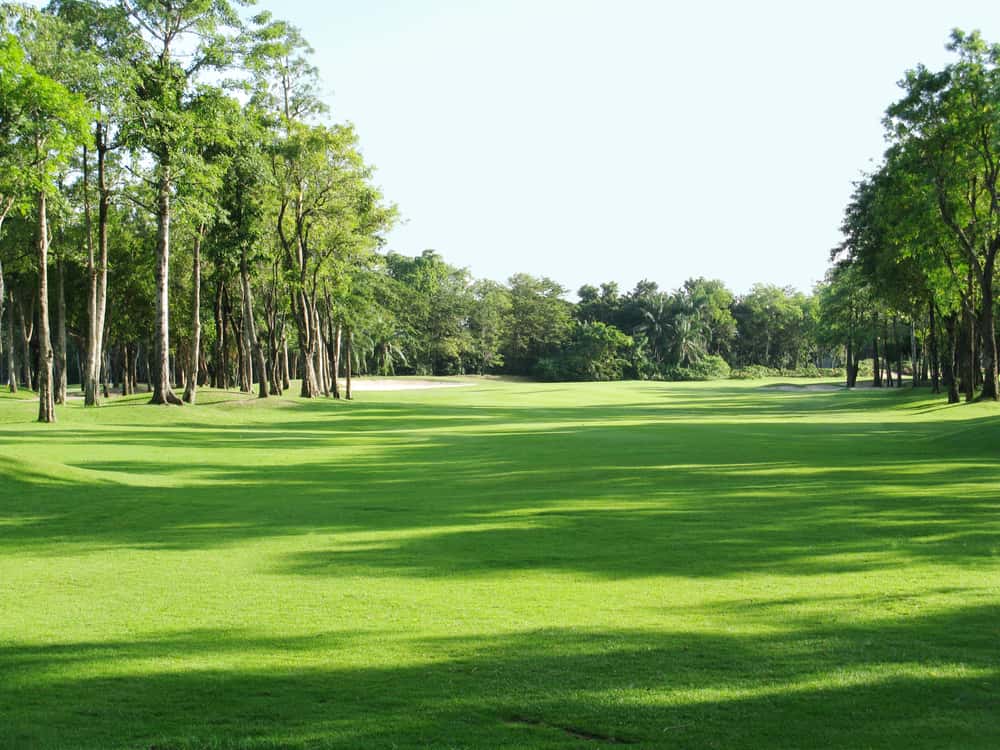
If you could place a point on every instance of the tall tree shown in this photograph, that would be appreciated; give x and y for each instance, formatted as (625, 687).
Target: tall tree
(181, 39)
(949, 119)
(50, 123)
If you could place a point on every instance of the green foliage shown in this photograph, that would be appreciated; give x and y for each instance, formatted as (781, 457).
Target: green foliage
(594, 351)
(710, 367)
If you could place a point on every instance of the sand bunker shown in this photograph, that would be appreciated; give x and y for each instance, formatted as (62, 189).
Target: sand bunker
(398, 384)
(799, 388)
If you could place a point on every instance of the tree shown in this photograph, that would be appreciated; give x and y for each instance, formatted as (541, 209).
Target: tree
(949, 121)
(48, 122)
(165, 125)
(540, 321)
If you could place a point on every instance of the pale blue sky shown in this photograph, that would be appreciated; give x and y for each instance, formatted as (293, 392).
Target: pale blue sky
(614, 140)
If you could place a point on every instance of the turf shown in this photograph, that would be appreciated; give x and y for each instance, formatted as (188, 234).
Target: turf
(503, 565)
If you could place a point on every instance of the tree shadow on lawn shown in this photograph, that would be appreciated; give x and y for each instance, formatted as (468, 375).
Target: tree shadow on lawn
(611, 500)
(924, 681)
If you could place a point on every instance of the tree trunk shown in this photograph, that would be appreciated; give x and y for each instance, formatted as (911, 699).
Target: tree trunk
(162, 392)
(850, 361)
(26, 332)
(347, 364)
(250, 328)
(336, 361)
(988, 331)
(914, 361)
(46, 402)
(967, 342)
(876, 364)
(285, 379)
(951, 358)
(307, 344)
(935, 358)
(219, 369)
(322, 368)
(97, 273)
(8, 300)
(191, 387)
(60, 362)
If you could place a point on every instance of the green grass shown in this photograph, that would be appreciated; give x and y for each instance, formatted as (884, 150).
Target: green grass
(504, 565)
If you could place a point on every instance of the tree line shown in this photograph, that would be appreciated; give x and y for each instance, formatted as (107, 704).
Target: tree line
(922, 231)
(177, 209)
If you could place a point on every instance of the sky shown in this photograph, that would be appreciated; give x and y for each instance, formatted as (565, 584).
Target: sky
(617, 140)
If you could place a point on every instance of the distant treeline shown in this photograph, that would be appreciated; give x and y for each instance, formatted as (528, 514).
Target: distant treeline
(176, 209)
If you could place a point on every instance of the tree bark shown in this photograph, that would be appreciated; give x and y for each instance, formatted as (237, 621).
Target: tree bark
(951, 360)
(850, 363)
(27, 332)
(967, 344)
(250, 328)
(935, 358)
(988, 330)
(97, 272)
(876, 364)
(162, 392)
(219, 369)
(336, 361)
(191, 387)
(347, 364)
(285, 379)
(7, 301)
(61, 384)
(307, 344)
(46, 401)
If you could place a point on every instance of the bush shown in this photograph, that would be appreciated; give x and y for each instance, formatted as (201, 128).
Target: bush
(712, 367)
(754, 372)
(595, 352)
(759, 372)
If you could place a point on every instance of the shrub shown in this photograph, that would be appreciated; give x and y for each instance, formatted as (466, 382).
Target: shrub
(712, 367)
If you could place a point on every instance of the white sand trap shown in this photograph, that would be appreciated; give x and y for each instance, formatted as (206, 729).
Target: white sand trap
(398, 384)
(799, 388)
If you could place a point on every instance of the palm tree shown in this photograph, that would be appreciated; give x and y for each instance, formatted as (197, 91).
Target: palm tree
(687, 339)
(655, 324)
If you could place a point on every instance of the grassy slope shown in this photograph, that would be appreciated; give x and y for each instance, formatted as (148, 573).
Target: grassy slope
(503, 565)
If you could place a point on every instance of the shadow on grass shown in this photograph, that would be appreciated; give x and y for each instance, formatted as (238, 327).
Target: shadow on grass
(613, 491)
(930, 681)
(711, 485)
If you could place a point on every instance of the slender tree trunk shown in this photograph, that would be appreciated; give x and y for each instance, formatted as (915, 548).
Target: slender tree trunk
(934, 355)
(347, 364)
(850, 360)
(876, 364)
(27, 325)
(914, 360)
(988, 330)
(126, 359)
(61, 384)
(285, 379)
(8, 300)
(46, 401)
(219, 369)
(307, 345)
(951, 360)
(899, 353)
(191, 387)
(968, 348)
(336, 361)
(162, 392)
(250, 328)
(97, 273)
(322, 369)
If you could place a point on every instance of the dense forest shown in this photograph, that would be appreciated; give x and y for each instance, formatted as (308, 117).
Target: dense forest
(178, 209)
